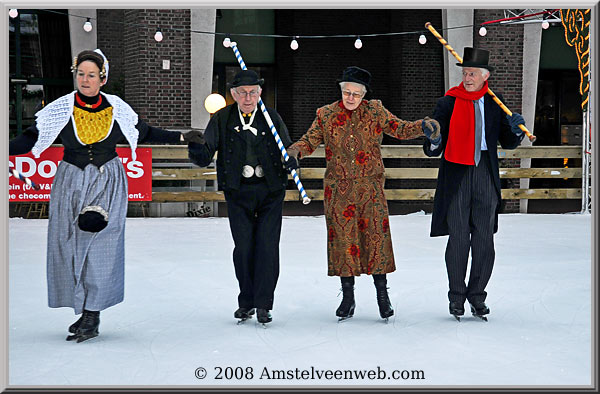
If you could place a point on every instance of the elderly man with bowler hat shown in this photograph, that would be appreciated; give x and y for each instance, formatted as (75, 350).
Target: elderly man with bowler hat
(467, 198)
(251, 173)
(359, 240)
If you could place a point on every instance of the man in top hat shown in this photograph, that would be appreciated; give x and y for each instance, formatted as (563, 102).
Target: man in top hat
(359, 240)
(251, 173)
(467, 198)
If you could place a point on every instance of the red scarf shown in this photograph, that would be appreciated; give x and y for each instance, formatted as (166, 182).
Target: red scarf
(460, 147)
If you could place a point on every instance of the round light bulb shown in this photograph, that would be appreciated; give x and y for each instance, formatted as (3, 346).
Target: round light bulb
(214, 102)
(422, 39)
(227, 42)
(158, 36)
(358, 43)
(294, 44)
(545, 25)
(482, 31)
(13, 13)
(87, 26)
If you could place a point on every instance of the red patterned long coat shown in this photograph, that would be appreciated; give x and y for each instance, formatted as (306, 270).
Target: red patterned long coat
(356, 211)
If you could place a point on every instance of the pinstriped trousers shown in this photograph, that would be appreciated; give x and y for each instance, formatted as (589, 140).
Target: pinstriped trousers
(471, 218)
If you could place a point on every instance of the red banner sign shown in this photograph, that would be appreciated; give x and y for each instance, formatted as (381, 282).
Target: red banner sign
(43, 169)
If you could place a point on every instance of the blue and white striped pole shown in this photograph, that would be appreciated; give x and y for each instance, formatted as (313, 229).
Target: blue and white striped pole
(23, 178)
(286, 157)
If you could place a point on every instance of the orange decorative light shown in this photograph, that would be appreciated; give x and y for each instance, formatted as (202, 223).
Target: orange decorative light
(577, 34)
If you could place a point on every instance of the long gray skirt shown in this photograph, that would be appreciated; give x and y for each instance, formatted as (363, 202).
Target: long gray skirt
(86, 270)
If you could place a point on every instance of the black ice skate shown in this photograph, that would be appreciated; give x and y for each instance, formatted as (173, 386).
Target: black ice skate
(457, 309)
(383, 300)
(264, 316)
(88, 328)
(479, 310)
(243, 314)
(346, 309)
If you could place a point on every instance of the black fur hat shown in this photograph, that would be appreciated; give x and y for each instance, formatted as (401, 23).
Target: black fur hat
(356, 75)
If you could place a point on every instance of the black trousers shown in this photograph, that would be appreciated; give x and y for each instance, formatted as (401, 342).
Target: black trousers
(255, 222)
(471, 219)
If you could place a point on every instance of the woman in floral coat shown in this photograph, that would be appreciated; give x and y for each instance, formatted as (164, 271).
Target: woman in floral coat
(356, 211)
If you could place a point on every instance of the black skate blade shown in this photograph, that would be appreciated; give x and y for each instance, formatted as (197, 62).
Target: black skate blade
(243, 320)
(85, 337)
(456, 317)
(72, 337)
(344, 318)
(481, 317)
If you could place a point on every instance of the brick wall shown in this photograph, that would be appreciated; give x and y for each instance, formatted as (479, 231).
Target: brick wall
(406, 76)
(505, 43)
(160, 97)
(110, 42)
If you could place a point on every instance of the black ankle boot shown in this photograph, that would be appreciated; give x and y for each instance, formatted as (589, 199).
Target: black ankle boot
(346, 308)
(383, 300)
(89, 326)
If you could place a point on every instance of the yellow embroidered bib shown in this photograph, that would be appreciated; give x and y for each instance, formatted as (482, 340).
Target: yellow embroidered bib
(92, 126)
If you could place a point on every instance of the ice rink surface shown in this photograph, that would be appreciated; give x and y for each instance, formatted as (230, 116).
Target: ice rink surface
(181, 291)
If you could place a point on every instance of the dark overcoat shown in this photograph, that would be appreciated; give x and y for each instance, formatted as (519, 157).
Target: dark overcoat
(220, 135)
(497, 130)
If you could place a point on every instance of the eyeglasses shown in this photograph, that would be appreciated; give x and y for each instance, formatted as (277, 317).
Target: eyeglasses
(252, 93)
(348, 93)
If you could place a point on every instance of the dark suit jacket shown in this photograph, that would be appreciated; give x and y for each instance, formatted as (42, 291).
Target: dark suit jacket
(221, 136)
(497, 130)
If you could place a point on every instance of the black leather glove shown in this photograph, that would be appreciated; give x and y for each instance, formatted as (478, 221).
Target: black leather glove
(431, 129)
(515, 120)
(195, 135)
(291, 164)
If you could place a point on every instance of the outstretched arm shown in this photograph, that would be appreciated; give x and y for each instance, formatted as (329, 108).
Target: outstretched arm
(202, 153)
(24, 142)
(442, 114)
(156, 134)
(310, 141)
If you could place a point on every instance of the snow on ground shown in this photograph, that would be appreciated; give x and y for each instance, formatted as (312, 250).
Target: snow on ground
(181, 291)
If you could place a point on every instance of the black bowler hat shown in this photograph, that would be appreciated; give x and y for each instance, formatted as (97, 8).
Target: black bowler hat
(476, 58)
(356, 75)
(246, 78)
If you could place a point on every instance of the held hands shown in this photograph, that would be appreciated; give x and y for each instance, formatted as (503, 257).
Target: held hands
(515, 120)
(292, 163)
(431, 129)
(195, 135)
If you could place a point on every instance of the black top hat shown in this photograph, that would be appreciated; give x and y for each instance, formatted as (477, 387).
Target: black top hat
(356, 75)
(246, 78)
(476, 58)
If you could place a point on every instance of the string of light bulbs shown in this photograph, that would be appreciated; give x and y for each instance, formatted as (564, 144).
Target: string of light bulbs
(294, 43)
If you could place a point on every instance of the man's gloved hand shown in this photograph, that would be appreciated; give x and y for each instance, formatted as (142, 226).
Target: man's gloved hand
(195, 136)
(431, 129)
(515, 120)
(292, 163)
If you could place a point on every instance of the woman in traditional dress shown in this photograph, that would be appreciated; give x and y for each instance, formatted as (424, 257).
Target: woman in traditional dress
(88, 201)
(356, 211)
